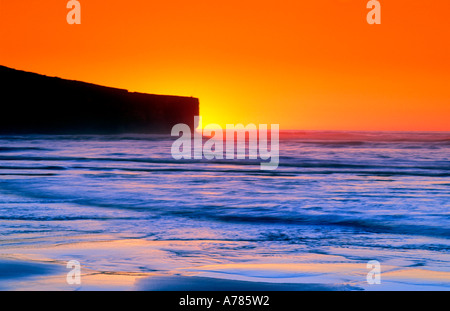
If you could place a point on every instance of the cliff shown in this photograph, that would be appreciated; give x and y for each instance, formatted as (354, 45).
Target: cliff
(38, 104)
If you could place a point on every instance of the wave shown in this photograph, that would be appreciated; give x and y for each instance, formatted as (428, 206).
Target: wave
(52, 168)
(367, 225)
(27, 174)
(287, 167)
(18, 149)
(284, 161)
(60, 218)
(392, 224)
(255, 218)
(330, 138)
(380, 224)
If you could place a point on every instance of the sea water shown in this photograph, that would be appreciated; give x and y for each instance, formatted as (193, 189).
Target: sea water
(340, 197)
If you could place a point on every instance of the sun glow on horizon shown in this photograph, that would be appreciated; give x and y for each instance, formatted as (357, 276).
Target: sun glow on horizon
(302, 65)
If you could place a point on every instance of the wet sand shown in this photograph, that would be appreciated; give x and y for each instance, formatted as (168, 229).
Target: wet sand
(150, 266)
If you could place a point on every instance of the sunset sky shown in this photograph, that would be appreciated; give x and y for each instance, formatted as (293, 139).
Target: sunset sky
(301, 64)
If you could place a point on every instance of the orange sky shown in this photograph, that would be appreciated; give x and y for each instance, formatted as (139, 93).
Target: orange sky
(301, 64)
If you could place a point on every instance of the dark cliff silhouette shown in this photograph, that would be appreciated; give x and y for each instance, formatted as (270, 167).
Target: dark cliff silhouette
(38, 104)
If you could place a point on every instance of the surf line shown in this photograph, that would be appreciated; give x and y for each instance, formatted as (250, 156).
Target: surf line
(234, 144)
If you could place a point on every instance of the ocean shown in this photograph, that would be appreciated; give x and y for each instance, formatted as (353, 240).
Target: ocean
(133, 216)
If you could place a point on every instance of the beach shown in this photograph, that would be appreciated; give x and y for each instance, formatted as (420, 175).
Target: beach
(136, 219)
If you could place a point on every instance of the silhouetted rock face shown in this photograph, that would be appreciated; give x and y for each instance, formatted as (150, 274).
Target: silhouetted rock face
(33, 103)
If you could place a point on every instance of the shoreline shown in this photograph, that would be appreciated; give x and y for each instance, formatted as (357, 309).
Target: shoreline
(44, 269)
